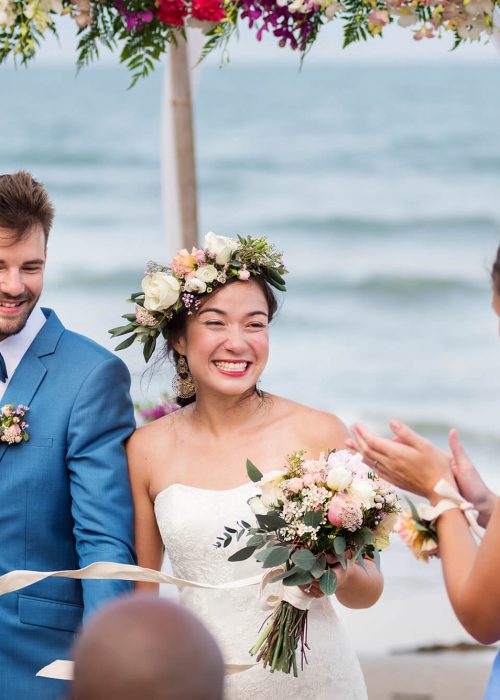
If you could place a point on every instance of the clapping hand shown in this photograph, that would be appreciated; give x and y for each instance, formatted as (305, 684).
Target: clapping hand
(409, 461)
(469, 482)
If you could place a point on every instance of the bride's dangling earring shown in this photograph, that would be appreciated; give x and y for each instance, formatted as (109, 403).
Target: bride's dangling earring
(183, 383)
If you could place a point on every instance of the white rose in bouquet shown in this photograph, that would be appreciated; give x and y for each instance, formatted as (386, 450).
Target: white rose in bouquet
(206, 273)
(161, 291)
(270, 487)
(256, 506)
(339, 478)
(220, 246)
(362, 492)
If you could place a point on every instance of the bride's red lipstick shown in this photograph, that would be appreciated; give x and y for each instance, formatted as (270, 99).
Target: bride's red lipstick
(232, 368)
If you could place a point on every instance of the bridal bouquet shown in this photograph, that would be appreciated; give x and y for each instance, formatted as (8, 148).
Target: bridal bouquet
(310, 514)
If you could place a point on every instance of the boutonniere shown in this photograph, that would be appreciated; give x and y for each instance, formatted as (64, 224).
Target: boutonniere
(13, 427)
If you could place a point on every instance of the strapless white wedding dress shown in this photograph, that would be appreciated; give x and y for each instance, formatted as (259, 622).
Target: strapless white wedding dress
(190, 519)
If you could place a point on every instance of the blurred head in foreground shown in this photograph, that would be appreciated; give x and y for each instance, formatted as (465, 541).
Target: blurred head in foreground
(146, 648)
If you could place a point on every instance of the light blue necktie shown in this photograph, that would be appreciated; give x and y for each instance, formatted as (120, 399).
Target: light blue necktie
(3, 370)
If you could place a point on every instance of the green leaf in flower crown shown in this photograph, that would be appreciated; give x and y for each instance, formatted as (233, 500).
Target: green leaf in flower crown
(313, 518)
(328, 582)
(149, 347)
(376, 558)
(126, 343)
(242, 554)
(253, 473)
(304, 559)
(319, 567)
(298, 578)
(276, 556)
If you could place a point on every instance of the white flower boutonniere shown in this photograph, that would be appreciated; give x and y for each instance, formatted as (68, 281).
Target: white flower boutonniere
(13, 427)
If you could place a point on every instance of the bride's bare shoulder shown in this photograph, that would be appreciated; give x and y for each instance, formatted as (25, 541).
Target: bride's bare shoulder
(161, 435)
(316, 426)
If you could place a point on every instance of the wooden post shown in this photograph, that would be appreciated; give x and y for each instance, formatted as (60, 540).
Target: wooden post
(182, 115)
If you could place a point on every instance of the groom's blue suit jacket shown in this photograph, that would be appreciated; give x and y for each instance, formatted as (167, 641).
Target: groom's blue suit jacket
(64, 499)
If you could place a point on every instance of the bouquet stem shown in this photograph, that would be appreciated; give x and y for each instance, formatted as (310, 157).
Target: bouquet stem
(277, 645)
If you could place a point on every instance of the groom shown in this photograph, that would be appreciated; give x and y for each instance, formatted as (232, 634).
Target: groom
(64, 495)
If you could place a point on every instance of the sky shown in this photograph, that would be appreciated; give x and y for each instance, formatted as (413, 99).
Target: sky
(396, 46)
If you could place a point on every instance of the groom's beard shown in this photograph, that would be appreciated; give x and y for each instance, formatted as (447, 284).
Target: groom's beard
(13, 325)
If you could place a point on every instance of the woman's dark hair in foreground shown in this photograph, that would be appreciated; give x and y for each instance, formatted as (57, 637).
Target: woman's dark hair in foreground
(178, 324)
(495, 273)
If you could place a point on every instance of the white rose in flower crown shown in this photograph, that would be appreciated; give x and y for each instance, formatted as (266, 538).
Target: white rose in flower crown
(339, 478)
(362, 492)
(220, 246)
(270, 489)
(161, 291)
(195, 285)
(206, 273)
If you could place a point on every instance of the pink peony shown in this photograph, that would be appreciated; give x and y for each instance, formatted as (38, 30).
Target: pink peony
(244, 275)
(343, 512)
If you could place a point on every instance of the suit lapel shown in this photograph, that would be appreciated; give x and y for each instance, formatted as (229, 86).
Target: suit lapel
(31, 370)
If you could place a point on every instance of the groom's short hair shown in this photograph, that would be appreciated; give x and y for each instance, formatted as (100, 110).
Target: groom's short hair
(24, 203)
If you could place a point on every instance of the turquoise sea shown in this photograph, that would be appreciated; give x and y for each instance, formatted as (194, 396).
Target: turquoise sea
(380, 183)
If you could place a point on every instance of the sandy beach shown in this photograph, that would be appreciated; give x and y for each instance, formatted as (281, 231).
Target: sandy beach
(414, 613)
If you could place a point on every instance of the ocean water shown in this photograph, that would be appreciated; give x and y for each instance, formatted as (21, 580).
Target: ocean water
(380, 183)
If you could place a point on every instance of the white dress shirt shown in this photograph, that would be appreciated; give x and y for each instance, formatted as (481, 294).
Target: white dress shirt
(14, 346)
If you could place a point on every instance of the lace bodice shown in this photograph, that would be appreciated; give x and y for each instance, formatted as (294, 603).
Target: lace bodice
(190, 520)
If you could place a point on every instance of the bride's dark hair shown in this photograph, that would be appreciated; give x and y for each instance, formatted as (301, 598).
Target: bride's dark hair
(177, 326)
(495, 273)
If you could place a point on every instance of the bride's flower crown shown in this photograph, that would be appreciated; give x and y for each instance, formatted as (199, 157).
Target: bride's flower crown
(168, 290)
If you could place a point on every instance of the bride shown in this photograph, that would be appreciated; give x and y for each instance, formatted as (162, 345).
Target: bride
(188, 469)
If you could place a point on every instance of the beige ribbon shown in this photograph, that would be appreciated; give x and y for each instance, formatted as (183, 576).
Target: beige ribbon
(63, 670)
(451, 500)
(15, 580)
